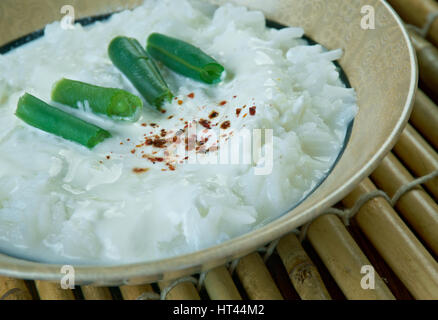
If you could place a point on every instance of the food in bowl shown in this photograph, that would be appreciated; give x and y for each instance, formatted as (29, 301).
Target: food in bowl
(170, 180)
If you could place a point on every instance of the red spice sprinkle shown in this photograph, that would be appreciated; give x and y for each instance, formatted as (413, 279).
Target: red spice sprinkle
(169, 117)
(225, 125)
(213, 114)
(153, 125)
(171, 167)
(205, 123)
(121, 143)
(133, 151)
(153, 159)
(108, 157)
(144, 124)
(159, 143)
(163, 111)
(180, 102)
(245, 115)
(252, 111)
(234, 97)
(222, 103)
(238, 110)
(128, 139)
(191, 95)
(140, 170)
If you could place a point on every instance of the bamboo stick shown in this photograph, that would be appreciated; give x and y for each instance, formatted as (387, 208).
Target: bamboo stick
(96, 293)
(182, 291)
(135, 292)
(13, 289)
(427, 56)
(302, 272)
(416, 206)
(220, 285)
(256, 279)
(53, 291)
(406, 256)
(424, 117)
(416, 12)
(418, 156)
(344, 259)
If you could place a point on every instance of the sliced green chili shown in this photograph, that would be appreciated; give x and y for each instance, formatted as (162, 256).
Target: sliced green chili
(138, 66)
(184, 58)
(39, 114)
(115, 103)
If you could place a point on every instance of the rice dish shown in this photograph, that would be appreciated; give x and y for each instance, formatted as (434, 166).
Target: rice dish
(162, 186)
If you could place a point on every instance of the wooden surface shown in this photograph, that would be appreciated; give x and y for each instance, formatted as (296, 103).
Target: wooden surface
(403, 252)
(302, 272)
(344, 259)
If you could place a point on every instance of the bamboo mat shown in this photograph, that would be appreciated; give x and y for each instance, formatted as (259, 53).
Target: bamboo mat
(399, 240)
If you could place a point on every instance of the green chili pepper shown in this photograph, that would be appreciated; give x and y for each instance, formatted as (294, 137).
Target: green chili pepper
(115, 103)
(184, 58)
(132, 60)
(39, 114)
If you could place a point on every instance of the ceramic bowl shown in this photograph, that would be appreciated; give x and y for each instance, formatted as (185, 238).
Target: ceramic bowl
(380, 64)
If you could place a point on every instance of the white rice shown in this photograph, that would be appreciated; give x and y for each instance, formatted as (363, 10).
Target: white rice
(60, 202)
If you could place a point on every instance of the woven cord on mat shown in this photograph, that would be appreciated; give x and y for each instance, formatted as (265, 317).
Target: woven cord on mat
(345, 215)
(431, 17)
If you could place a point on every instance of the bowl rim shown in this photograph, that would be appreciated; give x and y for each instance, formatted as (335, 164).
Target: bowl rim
(205, 259)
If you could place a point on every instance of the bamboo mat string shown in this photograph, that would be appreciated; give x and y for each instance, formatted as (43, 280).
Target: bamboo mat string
(201, 280)
(431, 17)
(269, 249)
(408, 187)
(347, 214)
(173, 284)
(233, 266)
(149, 296)
(137, 292)
(9, 293)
